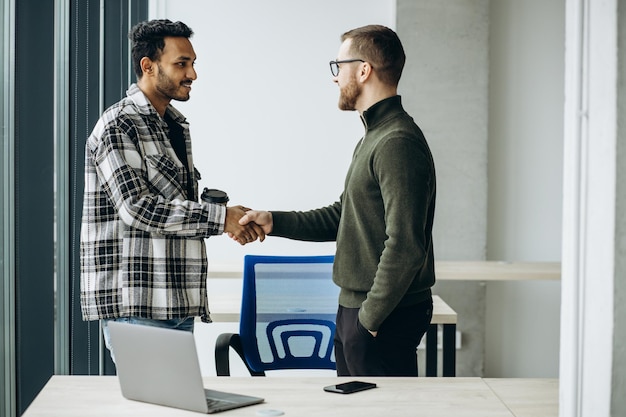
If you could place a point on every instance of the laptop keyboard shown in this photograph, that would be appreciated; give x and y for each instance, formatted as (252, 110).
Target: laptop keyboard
(212, 402)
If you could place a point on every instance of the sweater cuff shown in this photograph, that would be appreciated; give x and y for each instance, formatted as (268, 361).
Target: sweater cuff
(280, 223)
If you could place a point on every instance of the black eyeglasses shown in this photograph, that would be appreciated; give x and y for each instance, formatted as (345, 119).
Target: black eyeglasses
(334, 65)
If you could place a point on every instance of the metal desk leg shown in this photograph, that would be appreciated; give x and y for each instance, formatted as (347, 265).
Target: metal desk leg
(431, 350)
(449, 350)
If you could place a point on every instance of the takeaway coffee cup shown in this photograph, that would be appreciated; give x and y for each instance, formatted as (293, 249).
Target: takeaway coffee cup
(211, 195)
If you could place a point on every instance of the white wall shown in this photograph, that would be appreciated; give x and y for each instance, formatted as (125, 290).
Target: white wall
(263, 111)
(525, 166)
(264, 118)
(266, 129)
(527, 52)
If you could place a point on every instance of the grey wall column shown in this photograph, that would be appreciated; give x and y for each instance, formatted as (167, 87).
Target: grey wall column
(447, 93)
(84, 103)
(34, 198)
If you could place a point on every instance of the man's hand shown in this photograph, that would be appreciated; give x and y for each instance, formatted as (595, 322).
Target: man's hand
(260, 219)
(242, 233)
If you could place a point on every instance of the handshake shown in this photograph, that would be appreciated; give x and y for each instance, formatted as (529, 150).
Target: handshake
(244, 225)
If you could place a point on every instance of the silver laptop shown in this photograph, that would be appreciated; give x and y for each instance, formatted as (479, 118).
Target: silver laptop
(160, 366)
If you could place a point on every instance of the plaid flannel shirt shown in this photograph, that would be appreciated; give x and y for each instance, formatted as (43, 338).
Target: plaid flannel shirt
(142, 239)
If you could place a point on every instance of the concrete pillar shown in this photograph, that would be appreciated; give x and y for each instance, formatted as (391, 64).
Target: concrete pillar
(445, 88)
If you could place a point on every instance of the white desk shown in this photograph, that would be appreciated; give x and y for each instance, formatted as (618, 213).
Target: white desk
(448, 270)
(100, 396)
(227, 306)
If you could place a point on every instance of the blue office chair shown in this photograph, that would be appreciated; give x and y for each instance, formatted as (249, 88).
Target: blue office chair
(288, 310)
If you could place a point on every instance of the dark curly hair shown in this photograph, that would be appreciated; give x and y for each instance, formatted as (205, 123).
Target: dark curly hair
(147, 38)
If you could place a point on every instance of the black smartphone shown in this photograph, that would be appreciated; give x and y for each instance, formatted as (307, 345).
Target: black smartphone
(350, 387)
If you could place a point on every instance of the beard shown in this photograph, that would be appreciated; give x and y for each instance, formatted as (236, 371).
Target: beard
(349, 94)
(170, 89)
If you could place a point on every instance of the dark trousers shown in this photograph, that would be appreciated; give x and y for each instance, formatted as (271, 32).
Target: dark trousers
(393, 352)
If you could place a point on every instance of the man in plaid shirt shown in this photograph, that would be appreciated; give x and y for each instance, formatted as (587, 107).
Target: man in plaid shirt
(143, 256)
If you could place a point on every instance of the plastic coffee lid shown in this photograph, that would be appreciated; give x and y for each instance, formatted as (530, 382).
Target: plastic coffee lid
(212, 195)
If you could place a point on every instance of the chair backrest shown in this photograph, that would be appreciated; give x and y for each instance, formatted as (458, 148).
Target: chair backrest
(288, 312)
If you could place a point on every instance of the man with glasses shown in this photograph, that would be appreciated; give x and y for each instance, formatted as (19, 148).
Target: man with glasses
(383, 220)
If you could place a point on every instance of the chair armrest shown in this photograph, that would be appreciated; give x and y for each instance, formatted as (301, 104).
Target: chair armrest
(222, 354)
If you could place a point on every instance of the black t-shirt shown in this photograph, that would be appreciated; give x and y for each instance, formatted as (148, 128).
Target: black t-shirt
(177, 140)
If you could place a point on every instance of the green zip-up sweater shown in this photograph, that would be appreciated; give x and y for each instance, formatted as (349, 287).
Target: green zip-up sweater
(383, 220)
